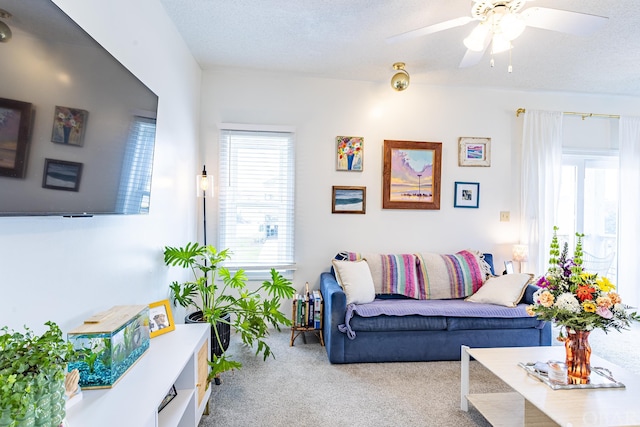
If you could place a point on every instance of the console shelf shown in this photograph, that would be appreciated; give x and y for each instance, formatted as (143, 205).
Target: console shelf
(175, 358)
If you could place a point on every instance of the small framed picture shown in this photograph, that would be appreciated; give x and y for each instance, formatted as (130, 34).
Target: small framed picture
(15, 127)
(61, 175)
(160, 318)
(349, 153)
(168, 398)
(467, 195)
(347, 200)
(508, 267)
(69, 125)
(474, 151)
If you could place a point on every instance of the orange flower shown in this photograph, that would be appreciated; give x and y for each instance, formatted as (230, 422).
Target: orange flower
(604, 301)
(546, 299)
(615, 298)
(585, 293)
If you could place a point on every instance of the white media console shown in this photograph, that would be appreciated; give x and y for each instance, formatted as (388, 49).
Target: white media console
(176, 358)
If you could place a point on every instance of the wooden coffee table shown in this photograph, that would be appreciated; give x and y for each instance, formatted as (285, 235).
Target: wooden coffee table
(533, 403)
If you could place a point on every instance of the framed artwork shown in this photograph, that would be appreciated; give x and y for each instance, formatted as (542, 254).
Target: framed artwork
(411, 175)
(508, 267)
(474, 151)
(15, 127)
(168, 398)
(349, 200)
(69, 125)
(467, 195)
(61, 175)
(160, 318)
(349, 153)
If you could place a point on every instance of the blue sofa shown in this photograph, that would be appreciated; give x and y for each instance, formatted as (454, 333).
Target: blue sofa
(389, 338)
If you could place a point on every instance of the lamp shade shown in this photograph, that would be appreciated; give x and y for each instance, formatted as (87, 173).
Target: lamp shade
(204, 184)
(520, 253)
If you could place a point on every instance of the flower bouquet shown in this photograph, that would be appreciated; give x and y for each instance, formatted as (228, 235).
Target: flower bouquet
(579, 302)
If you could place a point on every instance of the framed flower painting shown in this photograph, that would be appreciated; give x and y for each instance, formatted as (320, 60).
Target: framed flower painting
(69, 125)
(349, 153)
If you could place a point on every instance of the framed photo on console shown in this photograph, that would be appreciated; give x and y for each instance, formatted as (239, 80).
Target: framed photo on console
(160, 318)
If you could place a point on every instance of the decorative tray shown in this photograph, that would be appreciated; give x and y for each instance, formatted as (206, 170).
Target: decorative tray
(600, 377)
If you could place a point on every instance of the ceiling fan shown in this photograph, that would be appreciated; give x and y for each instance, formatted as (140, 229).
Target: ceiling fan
(501, 21)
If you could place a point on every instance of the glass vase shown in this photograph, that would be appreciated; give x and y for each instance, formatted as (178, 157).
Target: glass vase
(578, 353)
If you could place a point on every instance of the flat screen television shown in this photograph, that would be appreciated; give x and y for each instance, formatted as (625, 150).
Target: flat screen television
(77, 129)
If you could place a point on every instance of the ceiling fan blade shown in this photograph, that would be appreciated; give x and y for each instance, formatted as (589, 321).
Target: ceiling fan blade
(452, 23)
(564, 21)
(472, 57)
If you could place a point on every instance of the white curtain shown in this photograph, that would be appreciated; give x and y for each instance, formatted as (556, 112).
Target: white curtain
(541, 171)
(628, 228)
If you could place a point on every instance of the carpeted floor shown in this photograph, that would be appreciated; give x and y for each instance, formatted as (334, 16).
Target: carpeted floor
(301, 388)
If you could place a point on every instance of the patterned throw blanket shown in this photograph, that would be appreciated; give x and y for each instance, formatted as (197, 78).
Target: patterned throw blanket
(426, 275)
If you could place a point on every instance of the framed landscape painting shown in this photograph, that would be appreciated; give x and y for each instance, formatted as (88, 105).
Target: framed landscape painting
(61, 175)
(15, 123)
(411, 176)
(474, 151)
(349, 200)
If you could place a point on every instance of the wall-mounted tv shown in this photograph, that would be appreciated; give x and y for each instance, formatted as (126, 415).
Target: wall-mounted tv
(77, 129)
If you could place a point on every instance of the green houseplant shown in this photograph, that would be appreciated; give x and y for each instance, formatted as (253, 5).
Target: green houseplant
(222, 298)
(32, 374)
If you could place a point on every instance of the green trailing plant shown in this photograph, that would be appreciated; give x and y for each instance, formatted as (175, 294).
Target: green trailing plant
(218, 292)
(29, 363)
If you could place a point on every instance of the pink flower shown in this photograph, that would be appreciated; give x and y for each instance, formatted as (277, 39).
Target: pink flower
(604, 312)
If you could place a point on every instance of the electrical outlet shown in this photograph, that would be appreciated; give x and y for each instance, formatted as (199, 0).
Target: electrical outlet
(505, 216)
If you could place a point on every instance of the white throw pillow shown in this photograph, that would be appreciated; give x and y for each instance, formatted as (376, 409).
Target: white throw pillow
(504, 290)
(356, 281)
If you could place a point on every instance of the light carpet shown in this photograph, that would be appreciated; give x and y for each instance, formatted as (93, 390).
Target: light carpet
(301, 388)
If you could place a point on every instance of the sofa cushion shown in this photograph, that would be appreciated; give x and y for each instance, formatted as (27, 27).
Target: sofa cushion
(476, 323)
(355, 279)
(384, 323)
(504, 290)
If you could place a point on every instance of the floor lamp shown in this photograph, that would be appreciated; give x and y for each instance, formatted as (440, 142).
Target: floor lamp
(204, 188)
(520, 254)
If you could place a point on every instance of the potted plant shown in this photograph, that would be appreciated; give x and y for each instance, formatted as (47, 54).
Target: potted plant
(223, 299)
(32, 377)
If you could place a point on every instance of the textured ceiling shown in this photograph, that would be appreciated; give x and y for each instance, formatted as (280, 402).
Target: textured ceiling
(346, 39)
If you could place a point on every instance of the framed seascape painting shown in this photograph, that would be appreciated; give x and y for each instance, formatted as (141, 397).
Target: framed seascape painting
(351, 200)
(411, 176)
(15, 125)
(61, 175)
(467, 195)
(69, 125)
(349, 153)
(474, 151)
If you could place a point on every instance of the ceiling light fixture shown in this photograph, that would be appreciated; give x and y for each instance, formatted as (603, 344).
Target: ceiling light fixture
(400, 80)
(5, 31)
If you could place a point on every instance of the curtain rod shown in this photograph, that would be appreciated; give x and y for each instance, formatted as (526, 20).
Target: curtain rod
(573, 113)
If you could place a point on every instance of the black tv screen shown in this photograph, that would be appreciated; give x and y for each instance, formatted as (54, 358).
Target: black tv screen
(77, 129)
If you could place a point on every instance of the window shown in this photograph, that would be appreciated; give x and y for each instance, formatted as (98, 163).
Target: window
(135, 184)
(589, 204)
(256, 200)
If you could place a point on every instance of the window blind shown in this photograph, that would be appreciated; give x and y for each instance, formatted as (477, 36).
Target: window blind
(135, 183)
(256, 199)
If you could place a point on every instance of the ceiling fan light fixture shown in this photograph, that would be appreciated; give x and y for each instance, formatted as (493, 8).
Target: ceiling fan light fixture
(512, 25)
(5, 31)
(500, 44)
(400, 80)
(476, 39)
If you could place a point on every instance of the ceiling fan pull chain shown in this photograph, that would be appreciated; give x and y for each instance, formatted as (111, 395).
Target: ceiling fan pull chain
(510, 68)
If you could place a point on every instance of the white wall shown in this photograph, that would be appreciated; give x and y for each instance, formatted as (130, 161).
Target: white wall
(322, 109)
(65, 270)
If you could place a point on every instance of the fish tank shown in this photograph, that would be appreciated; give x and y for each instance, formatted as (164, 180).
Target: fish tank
(108, 344)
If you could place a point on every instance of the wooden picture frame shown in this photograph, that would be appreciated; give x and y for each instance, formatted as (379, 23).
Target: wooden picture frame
(411, 175)
(61, 175)
(15, 128)
(349, 153)
(474, 151)
(69, 125)
(160, 318)
(349, 200)
(467, 195)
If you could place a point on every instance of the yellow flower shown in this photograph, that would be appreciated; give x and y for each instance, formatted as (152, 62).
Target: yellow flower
(605, 284)
(546, 299)
(589, 307)
(530, 310)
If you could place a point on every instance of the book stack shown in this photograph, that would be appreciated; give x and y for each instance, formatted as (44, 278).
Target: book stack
(307, 309)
